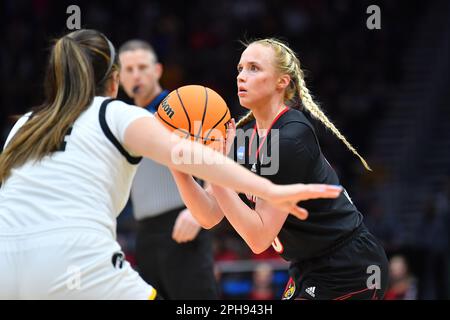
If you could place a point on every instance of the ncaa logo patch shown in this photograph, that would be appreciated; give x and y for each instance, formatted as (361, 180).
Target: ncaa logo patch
(289, 291)
(118, 259)
(241, 152)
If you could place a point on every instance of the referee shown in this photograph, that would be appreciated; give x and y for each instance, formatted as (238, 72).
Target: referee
(173, 252)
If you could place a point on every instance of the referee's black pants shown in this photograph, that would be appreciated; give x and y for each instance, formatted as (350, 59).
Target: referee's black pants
(177, 271)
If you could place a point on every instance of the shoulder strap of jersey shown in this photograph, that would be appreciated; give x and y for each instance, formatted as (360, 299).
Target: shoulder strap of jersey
(111, 137)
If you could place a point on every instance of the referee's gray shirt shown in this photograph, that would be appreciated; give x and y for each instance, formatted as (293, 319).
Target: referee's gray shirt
(154, 190)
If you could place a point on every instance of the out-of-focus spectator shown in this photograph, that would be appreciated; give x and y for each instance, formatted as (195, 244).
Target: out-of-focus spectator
(403, 285)
(262, 286)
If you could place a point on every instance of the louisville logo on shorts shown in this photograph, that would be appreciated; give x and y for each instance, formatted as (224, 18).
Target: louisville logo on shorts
(118, 259)
(290, 290)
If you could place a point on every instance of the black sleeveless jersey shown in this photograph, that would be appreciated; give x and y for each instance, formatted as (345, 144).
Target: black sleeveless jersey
(290, 153)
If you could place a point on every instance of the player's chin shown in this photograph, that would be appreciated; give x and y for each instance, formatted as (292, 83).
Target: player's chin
(244, 102)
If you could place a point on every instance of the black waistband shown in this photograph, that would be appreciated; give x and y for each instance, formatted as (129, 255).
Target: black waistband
(336, 246)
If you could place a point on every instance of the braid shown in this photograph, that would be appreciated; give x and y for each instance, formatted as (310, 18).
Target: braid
(245, 119)
(317, 113)
(287, 62)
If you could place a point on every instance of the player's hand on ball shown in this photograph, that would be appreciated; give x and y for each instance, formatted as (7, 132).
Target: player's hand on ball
(231, 134)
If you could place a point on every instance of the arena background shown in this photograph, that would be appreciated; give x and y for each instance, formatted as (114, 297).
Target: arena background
(386, 89)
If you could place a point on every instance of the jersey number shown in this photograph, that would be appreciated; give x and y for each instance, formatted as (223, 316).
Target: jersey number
(277, 245)
(62, 147)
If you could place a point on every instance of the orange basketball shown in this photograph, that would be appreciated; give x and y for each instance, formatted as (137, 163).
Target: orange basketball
(195, 112)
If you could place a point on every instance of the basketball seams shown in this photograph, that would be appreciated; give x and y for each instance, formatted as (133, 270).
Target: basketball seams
(172, 126)
(184, 131)
(185, 111)
(204, 112)
(210, 130)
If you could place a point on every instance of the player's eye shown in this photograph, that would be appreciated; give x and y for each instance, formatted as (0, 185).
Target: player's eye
(239, 69)
(254, 68)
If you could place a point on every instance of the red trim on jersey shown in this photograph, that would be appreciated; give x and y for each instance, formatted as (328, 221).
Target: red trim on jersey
(349, 295)
(268, 130)
(279, 249)
(374, 297)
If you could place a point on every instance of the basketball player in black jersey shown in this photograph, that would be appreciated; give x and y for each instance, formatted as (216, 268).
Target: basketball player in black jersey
(332, 254)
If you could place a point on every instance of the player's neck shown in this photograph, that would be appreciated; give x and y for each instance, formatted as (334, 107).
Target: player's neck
(147, 99)
(265, 117)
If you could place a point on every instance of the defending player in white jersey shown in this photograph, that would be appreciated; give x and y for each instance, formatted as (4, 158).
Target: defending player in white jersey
(66, 172)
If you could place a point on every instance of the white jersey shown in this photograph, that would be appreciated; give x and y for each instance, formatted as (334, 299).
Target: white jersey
(86, 185)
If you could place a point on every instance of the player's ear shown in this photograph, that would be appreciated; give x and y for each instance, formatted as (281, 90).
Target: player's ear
(116, 75)
(114, 83)
(158, 70)
(283, 81)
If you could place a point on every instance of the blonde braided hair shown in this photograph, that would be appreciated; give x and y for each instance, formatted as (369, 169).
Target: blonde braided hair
(287, 62)
(245, 119)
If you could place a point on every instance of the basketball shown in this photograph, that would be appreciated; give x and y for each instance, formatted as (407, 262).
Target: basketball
(195, 112)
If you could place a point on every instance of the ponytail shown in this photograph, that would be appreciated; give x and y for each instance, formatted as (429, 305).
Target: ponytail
(70, 87)
(245, 119)
(287, 62)
(316, 112)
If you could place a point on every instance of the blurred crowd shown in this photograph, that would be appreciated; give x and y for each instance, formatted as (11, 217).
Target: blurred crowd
(349, 69)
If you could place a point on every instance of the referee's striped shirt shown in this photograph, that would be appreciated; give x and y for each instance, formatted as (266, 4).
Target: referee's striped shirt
(154, 190)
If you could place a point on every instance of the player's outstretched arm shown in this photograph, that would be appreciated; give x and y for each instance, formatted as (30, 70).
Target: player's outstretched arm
(147, 137)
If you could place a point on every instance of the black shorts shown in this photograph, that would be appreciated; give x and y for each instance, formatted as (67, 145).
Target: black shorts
(356, 270)
(177, 271)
